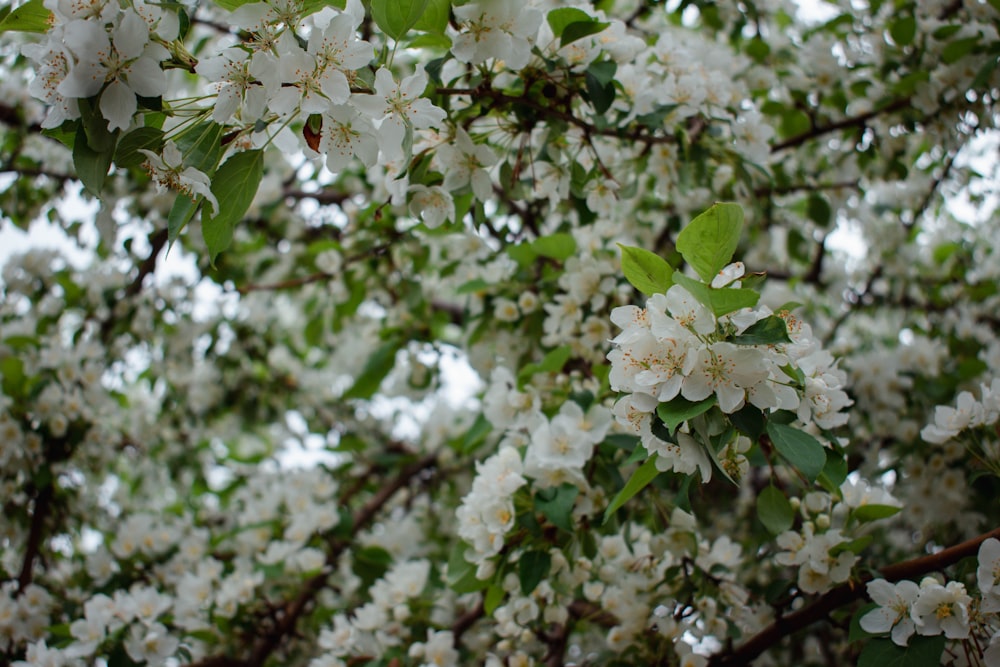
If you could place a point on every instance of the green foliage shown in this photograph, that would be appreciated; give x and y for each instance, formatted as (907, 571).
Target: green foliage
(769, 331)
(800, 449)
(774, 510)
(678, 410)
(709, 241)
(920, 652)
(639, 480)
(648, 273)
(234, 185)
(396, 17)
(32, 16)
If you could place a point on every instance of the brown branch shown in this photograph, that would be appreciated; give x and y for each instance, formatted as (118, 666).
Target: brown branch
(39, 514)
(466, 621)
(853, 121)
(843, 595)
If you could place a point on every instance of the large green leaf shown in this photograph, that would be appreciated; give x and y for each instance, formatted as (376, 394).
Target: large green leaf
(678, 410)
(556, 503)
(559, 246)
(397, 17)
(533, 567)
(435, 17)
(768, 331)
(91, 166)
(709, 241)
(378, 366)
(560, 18)
(920, 652)
(774, 510)
(234, 186)
(180, 214)
(147, 138)
(799, 448)
(720, 301)
(647, 272)
(639, 480)
(32, 16)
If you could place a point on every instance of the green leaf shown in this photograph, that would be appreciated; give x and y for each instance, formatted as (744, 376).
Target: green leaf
(709, 241)
(462, 573)
(856, 632)
(639, 480)
(99, 137)
(522, 253)
(834, 472)
(601, 95)
(603, 71)
(91, 166)
(647, 272)
(313, 6)
(202, 146)
(802, 450)
(13, 377)
(32, 16)
(867, 513)
(234, 185)
(435, 17)
(375, 370)
(720, 301)
(476, 434)
(396, 17)
(493, 597)
(147, 138)
(580, 29)
(774, 510)
(749, 420)
(472, 286)
(819, 210)
(556, 503)
(559, 246)
(231, 5)
(180, 214)
(769, 331)
(903, 30)
(533, 567)
(370, 563)
(958, 49)
(854, 546)
(560, 18)
(550, 363)
(921, 652)
(678, 410)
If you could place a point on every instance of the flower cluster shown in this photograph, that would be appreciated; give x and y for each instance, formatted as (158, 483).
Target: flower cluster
(932, 608)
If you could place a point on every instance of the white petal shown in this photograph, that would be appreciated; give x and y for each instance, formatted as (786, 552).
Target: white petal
(118, 105)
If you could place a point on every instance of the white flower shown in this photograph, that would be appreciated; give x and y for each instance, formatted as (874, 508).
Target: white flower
(942, 609)
(168, 171)
(244, 83)
(949, 421)
(893, 612)
(727, 370)
(465, 163)
(501, 29)
(988, 575)
(398, 106)
(125, 60)
(433, 204)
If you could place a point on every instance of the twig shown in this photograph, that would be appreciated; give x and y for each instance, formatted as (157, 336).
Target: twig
(843, 595)
(853, 121)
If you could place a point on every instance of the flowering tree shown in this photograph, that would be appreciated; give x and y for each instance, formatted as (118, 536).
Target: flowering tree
(687, 433)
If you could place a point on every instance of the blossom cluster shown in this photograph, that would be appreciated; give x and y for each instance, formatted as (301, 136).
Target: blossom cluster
(931, 608)
(676, 347)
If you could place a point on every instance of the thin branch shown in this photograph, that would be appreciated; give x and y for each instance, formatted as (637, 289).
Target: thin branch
(853, 121)
(39, 514)
(766, 190)
(843, 595)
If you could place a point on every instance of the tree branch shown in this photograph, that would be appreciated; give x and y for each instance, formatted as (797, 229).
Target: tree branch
(39, 514)
(852, 121)
(843, 595)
